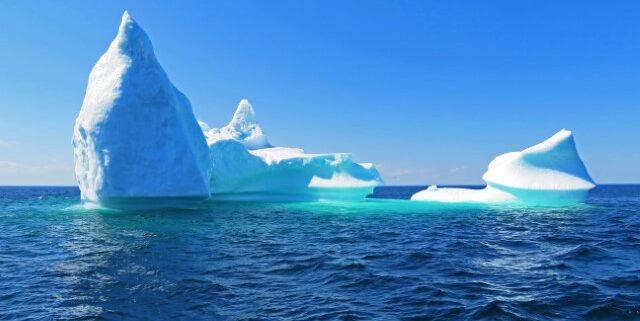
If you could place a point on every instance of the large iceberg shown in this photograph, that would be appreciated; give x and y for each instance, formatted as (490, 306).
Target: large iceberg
(548, 173)
(246, 166)
(136, 137)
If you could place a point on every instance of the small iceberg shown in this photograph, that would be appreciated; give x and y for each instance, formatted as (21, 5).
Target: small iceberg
(548, 173)
(246, 166)
(136, 138)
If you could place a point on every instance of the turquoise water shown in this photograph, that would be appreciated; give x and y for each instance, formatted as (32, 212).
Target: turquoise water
(378, 259)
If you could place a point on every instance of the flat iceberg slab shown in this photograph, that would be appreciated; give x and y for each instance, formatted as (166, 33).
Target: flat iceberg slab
(136, 137)
(246, 166)
(463, 195)
(548, 173)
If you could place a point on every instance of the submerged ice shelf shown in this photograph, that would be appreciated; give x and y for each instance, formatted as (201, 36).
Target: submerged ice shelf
(136, 136)
(548, 173)
(247, 166)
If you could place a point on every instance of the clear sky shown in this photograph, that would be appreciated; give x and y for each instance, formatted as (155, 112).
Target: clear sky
(429, 91)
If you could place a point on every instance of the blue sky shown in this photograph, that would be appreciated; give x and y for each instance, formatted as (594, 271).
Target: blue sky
(430, 91)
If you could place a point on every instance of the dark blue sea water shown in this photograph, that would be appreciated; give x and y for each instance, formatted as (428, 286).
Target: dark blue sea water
(372, 260)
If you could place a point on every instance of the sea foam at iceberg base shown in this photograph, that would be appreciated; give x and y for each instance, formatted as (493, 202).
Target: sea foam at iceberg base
(246, 166)
(136, 140)
(548, 173)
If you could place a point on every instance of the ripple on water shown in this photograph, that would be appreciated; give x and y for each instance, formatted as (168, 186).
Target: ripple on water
(393, 260)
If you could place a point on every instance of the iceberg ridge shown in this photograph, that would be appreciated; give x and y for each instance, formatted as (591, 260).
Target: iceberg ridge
(246, 166)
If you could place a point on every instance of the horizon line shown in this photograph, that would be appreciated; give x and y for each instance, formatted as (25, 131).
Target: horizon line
(383, 185)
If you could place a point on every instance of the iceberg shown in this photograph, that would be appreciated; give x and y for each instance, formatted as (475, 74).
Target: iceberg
(550, 172)
(136, 137)
(243, 128)
(247, 167)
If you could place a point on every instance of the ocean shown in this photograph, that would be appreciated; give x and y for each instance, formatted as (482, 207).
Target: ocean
(381, 259)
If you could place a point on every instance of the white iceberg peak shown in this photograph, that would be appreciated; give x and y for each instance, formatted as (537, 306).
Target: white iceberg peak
(547, 173)
(553, 142)
(132, 40)
(136, 136)
(244, 114)
(243, 128)
(125, 20)
(246, 166)
(553, 164)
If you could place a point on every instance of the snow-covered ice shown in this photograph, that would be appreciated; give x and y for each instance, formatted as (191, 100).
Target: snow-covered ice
(548, 173)
(487, 194)
(243, 128)
(247, 166)
(136, 139)
(136, 136)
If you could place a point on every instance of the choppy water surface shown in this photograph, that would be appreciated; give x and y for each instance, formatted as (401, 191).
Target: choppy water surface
(379, 259)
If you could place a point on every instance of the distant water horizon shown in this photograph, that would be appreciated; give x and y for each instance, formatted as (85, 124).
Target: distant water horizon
(383, 258)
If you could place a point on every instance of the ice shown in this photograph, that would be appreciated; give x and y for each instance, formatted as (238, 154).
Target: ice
(136, 139)
(463, 195)
(136, 136)
(548, 173)
(243, 128)
(246, 166)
